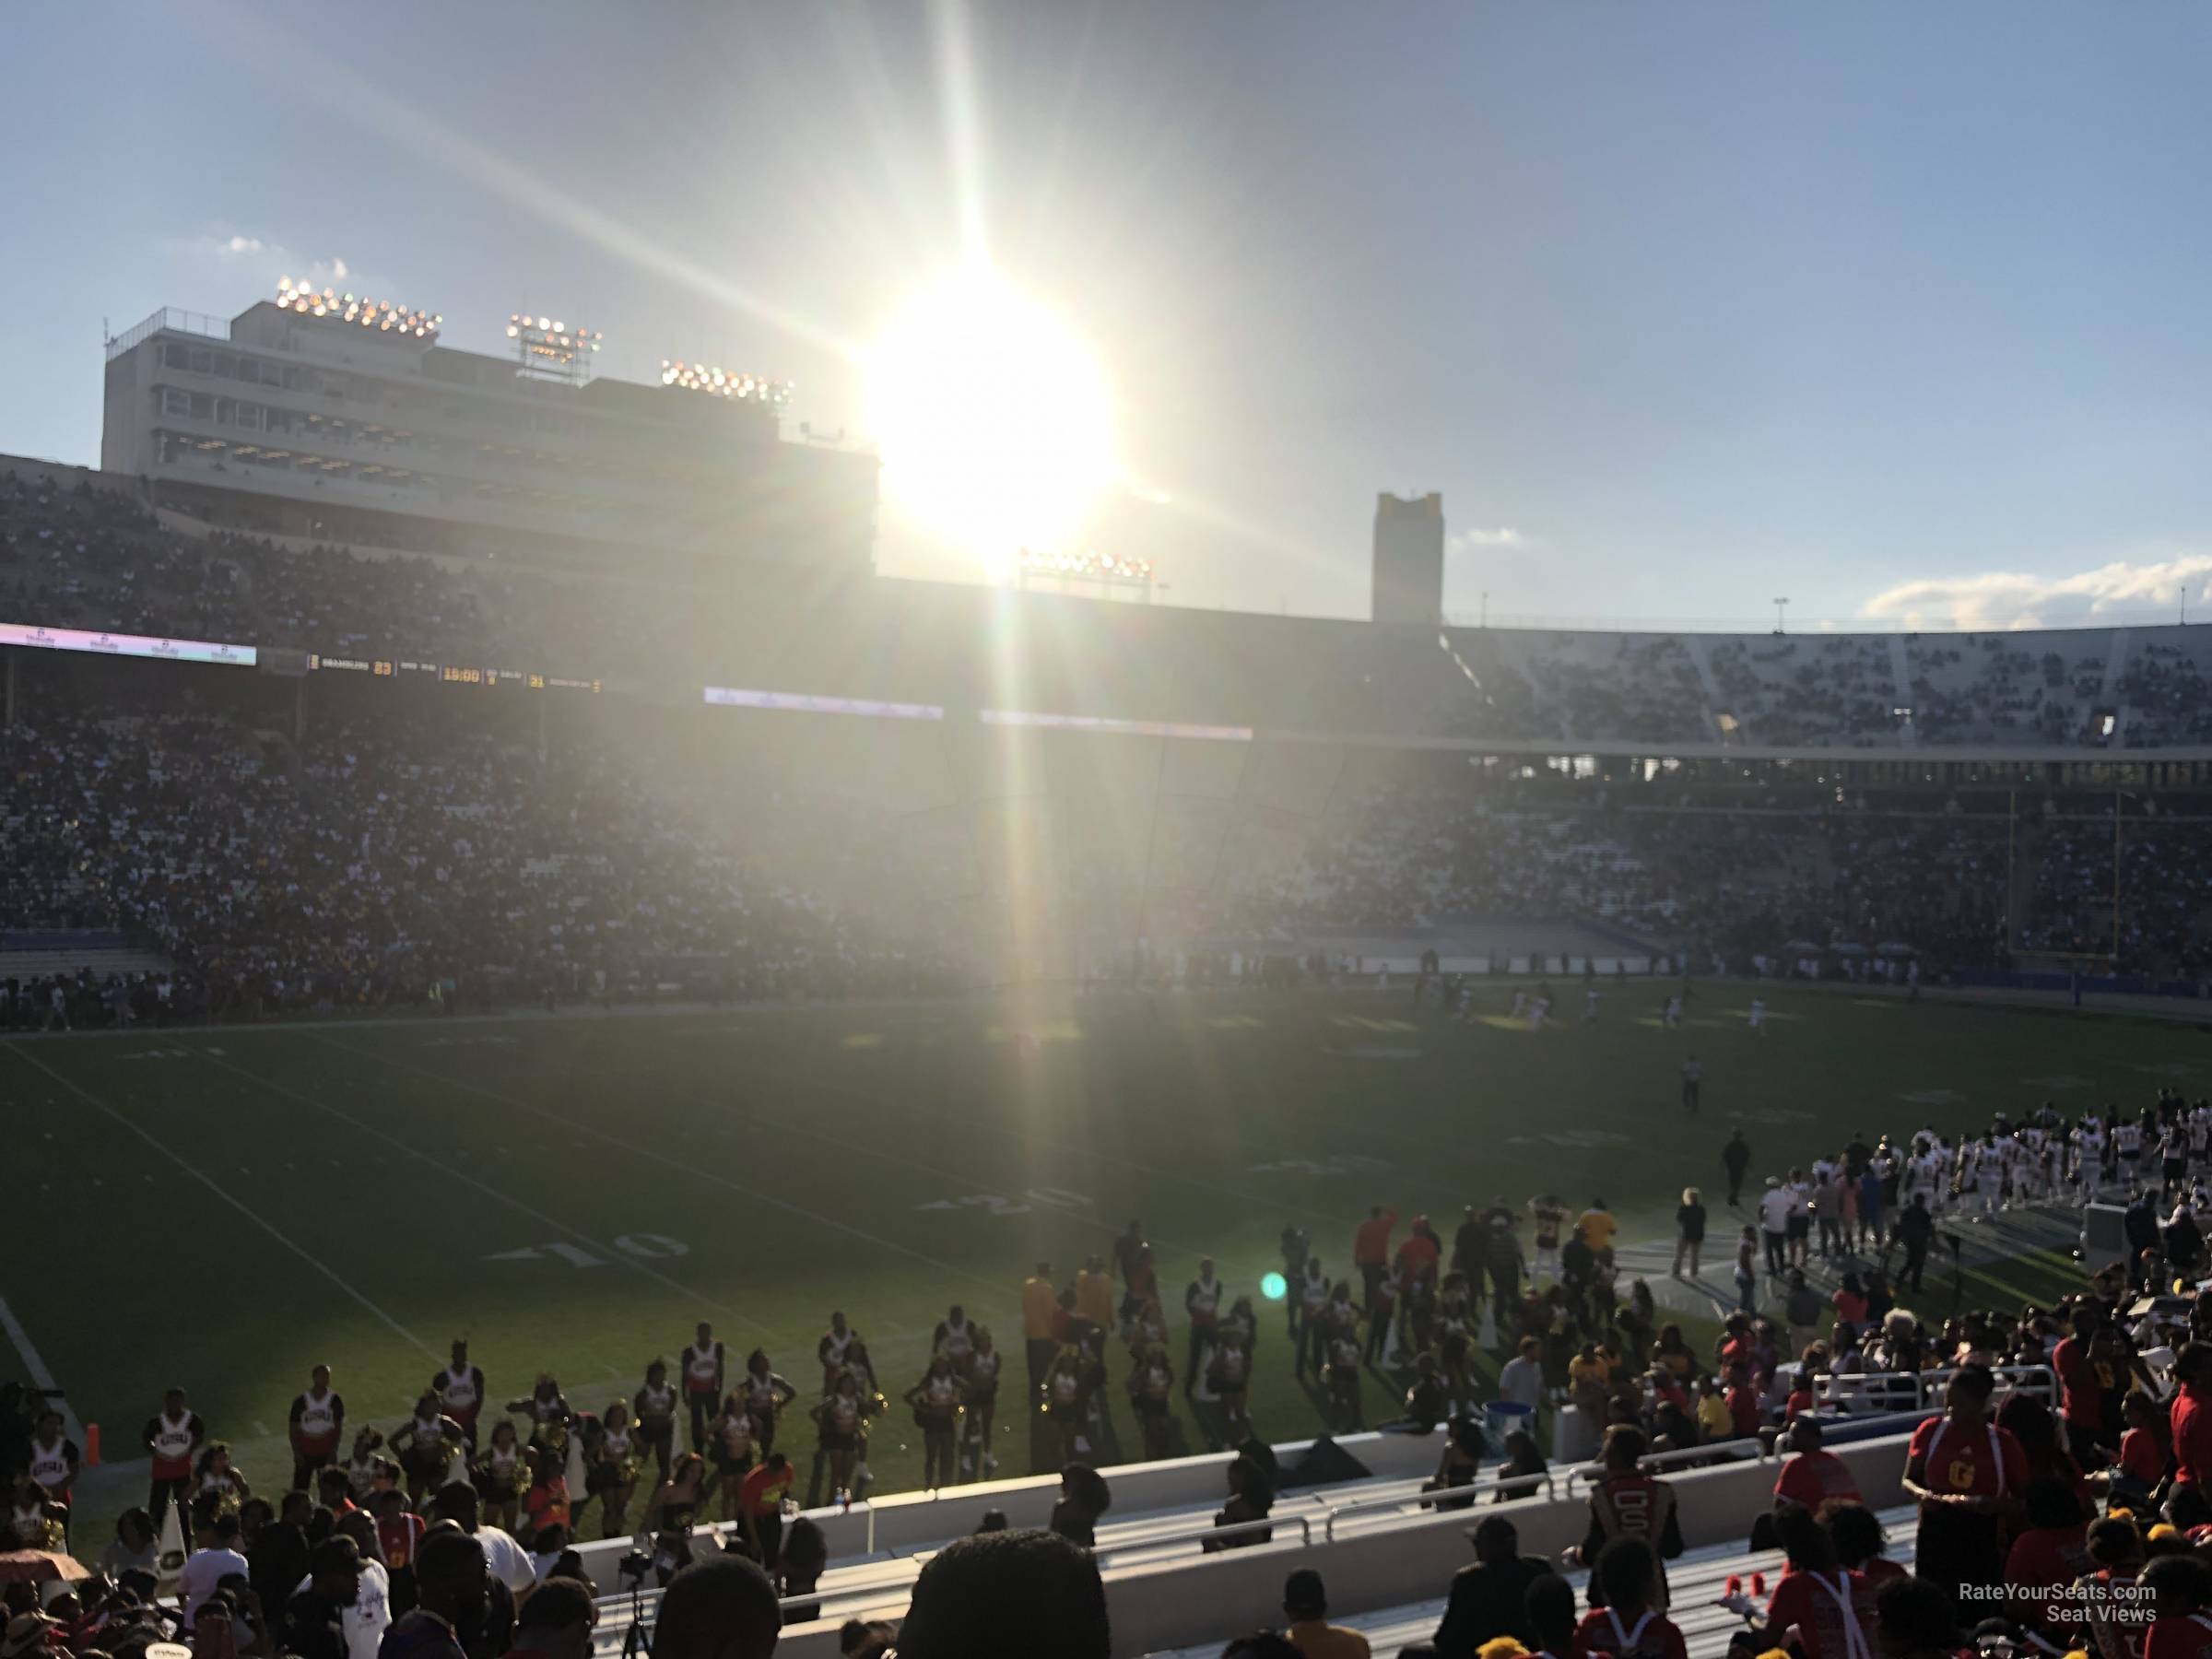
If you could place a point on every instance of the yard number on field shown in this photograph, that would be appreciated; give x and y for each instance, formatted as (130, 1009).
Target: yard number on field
(650, 1247)
(990, 1204)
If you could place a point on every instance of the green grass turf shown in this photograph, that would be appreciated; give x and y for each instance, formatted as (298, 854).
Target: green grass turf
(883, 1159)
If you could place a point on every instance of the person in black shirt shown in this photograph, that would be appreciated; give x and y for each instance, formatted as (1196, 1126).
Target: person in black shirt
(1490, 1598)
(1689, 1231)
(1915, 1232)
(315, 1619)
(279, 1557)
(1857, 1154)
(1736, 1158)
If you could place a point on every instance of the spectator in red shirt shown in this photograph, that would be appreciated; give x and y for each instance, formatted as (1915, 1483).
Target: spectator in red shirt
(1816, 1477)
(2048, 1557)
(1967, 1474)
(1830, 1608)
(760, 1506)
(2180, 1627)
(1371, 1251)
(2145, 1450)
(1849, 1301)
(398, 1533)
(1628, 1626)
(2083, 1401)
(1856, 1532)
(1744, 1410)
(2191, 1415)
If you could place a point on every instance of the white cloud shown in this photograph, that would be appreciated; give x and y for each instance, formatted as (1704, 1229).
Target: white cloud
(1505, 535)
(270, 259)
(2006, 599)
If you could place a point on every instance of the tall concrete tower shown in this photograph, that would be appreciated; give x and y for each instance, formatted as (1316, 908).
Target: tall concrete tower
(1409, 558)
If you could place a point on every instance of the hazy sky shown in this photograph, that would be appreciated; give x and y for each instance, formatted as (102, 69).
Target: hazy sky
(1680, 306)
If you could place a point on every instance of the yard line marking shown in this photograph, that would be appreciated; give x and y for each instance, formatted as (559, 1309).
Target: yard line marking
(208, 1181)
(489, 1192)
(41, 1378)
(758, 1197)
(261, 1429)
(784, 1126)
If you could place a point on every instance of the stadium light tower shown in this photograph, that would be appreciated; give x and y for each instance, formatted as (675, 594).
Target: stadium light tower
(547, 348)
(1104, 571)
(1781, 606)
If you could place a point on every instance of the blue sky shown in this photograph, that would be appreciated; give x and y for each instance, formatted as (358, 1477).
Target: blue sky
(1885, 308)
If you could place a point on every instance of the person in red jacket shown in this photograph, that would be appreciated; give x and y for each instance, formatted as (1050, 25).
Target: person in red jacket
(1967, 1475)
(1370, 1252)
(2192, 1417)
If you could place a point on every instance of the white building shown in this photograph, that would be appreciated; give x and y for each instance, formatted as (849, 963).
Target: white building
(357, 426)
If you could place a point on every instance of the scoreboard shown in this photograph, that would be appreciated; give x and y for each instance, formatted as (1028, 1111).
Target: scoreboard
(450, 674)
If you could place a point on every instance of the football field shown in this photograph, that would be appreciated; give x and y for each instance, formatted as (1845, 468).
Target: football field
(225, 1208)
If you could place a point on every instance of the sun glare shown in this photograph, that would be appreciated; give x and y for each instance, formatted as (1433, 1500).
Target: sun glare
(994, 419)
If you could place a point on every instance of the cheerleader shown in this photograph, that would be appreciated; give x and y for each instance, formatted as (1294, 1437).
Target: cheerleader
(217, 1485)
(498, 1474)
(1228, 1371)
(730, 1444)
(935, 1400)
(1064, 1398)
(611, 1475)
(1343, 1374)
(955, 1339)
(871, 1405)
(1151, 1396)
(549, 1416)
(765, 1394)
(655, 1407)
(675, 1501)
(425, 1444)
(34, 1521)
(52, 1459)
(1150, 1329)
(839, 1421)
(982, 1397)
(366, 1473)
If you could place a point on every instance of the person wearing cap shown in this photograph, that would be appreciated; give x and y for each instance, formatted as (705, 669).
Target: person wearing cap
(1490, 1599)
(1306, 1605)
(26, 1635)
(315, 1619)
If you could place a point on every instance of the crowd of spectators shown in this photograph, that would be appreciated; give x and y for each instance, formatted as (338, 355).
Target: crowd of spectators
(1996, 688)
(79, 556)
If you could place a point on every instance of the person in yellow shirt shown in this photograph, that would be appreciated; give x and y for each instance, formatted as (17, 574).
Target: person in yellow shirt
(1039, 1302)
(1094, 1293)
(1306, 1605)
(1597, 1226)
(1714, 1420)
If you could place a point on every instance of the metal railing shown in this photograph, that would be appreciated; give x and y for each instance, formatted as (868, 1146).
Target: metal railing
(1243, 1529)
(1442, 1498)
(1747, 1450)
(1873, 1392)
(170, 320)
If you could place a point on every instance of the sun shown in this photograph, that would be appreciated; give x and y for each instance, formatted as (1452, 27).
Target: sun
(994, 419)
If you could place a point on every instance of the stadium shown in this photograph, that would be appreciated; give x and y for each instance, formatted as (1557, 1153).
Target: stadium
(528, 962)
